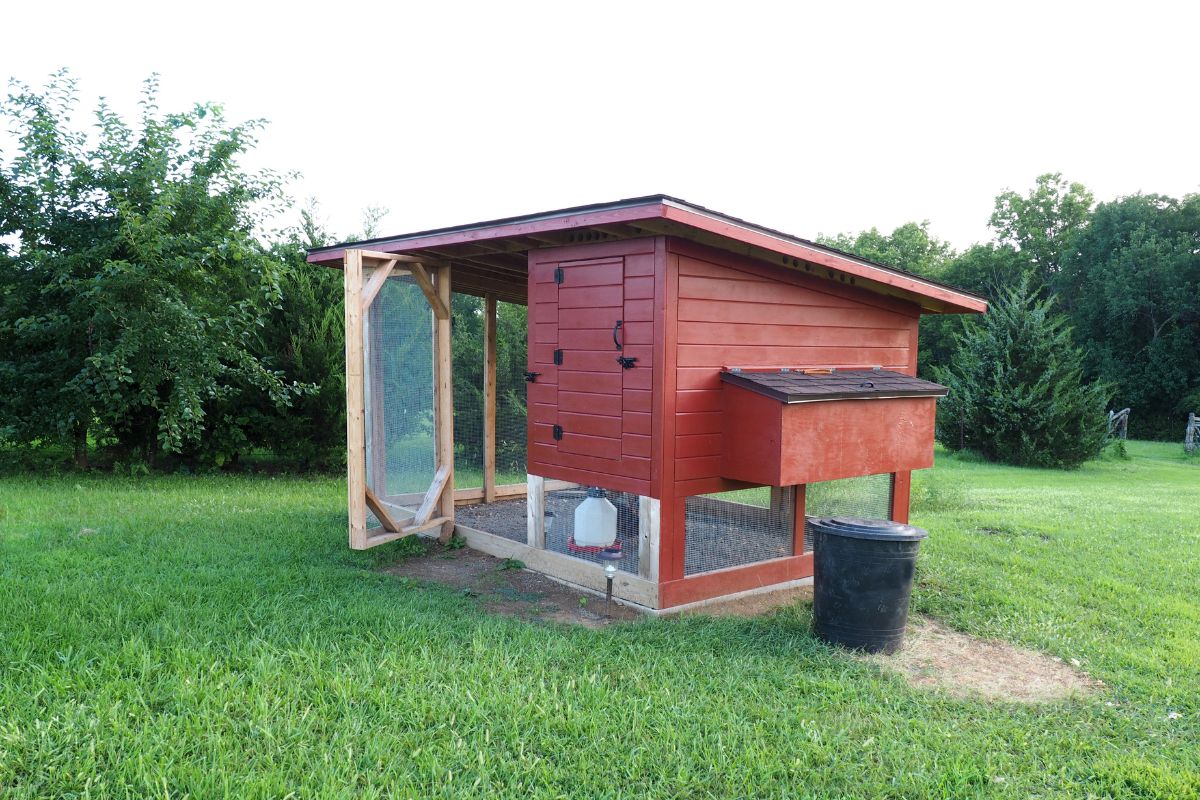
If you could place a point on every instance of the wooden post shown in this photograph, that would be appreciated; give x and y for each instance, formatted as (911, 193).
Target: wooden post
(535, 511)
(489, 398)
(901, 491)
(443, 399)
(798, 520)
(356, 465)
(648, 537)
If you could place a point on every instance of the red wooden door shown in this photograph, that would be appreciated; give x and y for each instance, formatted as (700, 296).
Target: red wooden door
(590, 304)
(588, 414)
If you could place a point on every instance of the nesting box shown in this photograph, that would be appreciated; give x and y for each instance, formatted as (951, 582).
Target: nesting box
(721, 380)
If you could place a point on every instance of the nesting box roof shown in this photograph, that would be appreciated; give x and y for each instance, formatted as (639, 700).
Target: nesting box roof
(788, 386)
(490, 257)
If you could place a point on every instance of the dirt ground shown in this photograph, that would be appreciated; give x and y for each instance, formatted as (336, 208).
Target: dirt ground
(934, 656)
(505, 588)
(937, 657)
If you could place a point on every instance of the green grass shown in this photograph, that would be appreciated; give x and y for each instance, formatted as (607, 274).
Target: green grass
(214, 637)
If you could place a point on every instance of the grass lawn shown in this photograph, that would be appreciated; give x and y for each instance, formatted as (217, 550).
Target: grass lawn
(209, 636)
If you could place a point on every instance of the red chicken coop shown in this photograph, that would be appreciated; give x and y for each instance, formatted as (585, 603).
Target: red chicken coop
(646, 384)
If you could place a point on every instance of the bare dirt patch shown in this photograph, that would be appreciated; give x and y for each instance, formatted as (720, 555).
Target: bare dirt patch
(504, 587)
(937, 657)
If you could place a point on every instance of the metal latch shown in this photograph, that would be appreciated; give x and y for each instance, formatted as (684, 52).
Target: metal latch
(627, 362)
(558, 357)
(557, 431)
(531, 377)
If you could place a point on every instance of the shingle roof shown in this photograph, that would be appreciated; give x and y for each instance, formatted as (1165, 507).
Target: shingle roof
(794, 386)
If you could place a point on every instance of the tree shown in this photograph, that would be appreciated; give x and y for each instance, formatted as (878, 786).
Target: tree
(983, 269)
(1133, 280)
(1041, 224)
(135, 293)
(909, 247)
(1017, 393)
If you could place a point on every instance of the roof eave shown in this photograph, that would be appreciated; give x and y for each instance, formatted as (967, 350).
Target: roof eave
(931, 296)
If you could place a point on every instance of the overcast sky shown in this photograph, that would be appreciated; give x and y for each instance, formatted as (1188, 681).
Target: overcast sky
(806, 117)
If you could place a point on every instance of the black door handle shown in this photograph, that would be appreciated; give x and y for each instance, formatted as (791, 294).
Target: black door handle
(616, 328)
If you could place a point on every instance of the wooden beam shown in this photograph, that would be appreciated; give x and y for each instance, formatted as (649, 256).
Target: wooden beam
(489, 398)
(901, 494)
(535, 511)
(504, 491)
(411, 530)
(432, 495)
(376, 255)
(375, 283)
(441, 309)
(443, 400)
(485, 266)
(648, 537)
(380, 512)
(799, 519)
(563, 567)
(356, 465)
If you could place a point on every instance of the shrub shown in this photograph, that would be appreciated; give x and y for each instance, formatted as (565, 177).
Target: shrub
(1017, 393)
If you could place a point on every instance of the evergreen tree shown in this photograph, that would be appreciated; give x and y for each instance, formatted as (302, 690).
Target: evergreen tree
(1017, 393)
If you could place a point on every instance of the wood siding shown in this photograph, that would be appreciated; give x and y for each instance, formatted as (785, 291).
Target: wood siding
(730, 311)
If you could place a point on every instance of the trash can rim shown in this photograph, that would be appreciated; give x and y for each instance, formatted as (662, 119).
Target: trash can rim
(865, 528)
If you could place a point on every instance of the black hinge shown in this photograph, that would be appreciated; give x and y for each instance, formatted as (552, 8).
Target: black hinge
(627, 362)
(558, 357)
(558, 431)
(558, 274)
(531, 377)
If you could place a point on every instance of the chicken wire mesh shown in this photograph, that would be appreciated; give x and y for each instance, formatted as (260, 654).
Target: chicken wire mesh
(560, 525)
(512, 343)
(729, 529)
(868, 496)
(398, 377)
(506, 518)
(468, 366)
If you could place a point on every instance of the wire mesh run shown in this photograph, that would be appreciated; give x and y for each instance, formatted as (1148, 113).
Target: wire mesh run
(560, 525)
(869, 496)
(398, 378)
(512, 344)
(467, 352)
(467, 355)
(506, 518)
(729, 529)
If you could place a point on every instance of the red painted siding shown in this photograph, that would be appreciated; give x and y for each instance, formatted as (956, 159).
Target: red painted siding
(731, 311)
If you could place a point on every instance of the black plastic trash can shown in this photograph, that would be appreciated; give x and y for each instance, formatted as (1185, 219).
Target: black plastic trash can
(862, 581)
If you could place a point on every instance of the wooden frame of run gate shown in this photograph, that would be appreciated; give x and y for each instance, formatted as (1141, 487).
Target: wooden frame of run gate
(436, 509)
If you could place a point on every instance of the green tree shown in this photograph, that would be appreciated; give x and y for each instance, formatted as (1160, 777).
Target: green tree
(136, 291)
(912, 248)
(1017, 393)
(909, 247)
(305, 339)
(1041, 224)
(1133, 284)
(983, 269)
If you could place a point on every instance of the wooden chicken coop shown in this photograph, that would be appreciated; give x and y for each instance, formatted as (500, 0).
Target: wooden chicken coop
(715, 381)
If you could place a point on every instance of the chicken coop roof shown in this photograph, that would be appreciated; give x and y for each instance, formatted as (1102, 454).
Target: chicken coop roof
(490, 256)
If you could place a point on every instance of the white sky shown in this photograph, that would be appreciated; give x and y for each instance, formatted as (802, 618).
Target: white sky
(820, 117)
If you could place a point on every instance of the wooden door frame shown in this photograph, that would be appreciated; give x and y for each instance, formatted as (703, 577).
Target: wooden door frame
(436, 509)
